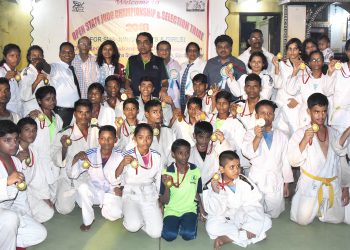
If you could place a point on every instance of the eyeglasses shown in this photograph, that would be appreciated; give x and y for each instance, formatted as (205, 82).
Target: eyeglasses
(316, 60)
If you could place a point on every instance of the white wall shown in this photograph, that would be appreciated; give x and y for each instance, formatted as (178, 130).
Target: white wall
(50, 25)
(338, 19)
(296, 20)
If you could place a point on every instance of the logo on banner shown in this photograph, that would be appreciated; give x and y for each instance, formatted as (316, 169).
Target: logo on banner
(78, 6)
(195, 5)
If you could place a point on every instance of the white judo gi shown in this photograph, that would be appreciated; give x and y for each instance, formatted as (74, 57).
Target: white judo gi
(27, 96)
(184, 130)
(303, 87)
(43, 144)
(140, 194)
(320, 178)
(37, 187)
(99, 189)
(210, 165)
(237, 86)
(233, 213)
(106, 116)
(17, 227)
(67, 187)
(270, 169)
(14, 104)
(167, 111)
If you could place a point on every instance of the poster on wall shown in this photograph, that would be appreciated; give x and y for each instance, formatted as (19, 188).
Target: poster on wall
(179, 22)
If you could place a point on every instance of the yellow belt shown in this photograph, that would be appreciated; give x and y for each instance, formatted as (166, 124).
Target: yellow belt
(325, 182)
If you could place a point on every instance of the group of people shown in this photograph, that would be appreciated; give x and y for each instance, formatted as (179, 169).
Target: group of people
(161, 145)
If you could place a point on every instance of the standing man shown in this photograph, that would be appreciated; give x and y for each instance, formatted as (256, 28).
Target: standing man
(64, 80)
(85, 65)
(146, 64)
(173, 69)
(215, 68)
(255, 41)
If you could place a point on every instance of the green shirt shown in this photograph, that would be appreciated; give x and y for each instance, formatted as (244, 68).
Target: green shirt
(182, 199)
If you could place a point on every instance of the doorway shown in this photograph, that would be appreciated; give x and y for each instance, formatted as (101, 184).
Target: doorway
(268, 23)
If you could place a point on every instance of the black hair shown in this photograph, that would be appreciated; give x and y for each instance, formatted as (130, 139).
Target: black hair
(131, 101)
(7, 127)
(163, 42)
(223, 38)
(66, 44)
(324, 37)
(224, 94)
(31, 48)
(265, 103)
(113, 78)
(256, 31)
(24, 121)
(146, 79)
(296, 41)
(180, 143)
(44, 91)
(143, 126)
(115, 55)
(263, 59)
(201, 78)
(253, 77)
(146, 34)
(203, 127)
(317, 52)
(84, 103)
(195, 100)
(152, 103)
(193, 44)
(7, 49)
(304, 56)
(317, 99)
(4, 80)
(98, 86)
(227, 155)
(107, 128)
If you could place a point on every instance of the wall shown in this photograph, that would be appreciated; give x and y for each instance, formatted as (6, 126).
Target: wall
(338, 18)
(296, 19)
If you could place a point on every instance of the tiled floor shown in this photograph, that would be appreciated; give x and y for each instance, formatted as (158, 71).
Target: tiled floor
(64, 234)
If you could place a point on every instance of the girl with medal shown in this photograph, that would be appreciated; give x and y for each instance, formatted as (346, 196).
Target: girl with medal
(301, 86)
(126, 127)
(180, 194)
(139, 172)
(257, 64)
(101, 112)
(288, 113)
(38, 190)
(48, 124)
(8, 69)
(340, 89)
(233, 204)
(18, 228)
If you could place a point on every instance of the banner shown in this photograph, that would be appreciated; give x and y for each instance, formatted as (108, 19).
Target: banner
(176, 21)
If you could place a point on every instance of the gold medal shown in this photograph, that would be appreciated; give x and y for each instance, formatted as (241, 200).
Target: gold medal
(134, 163)
(302, 66)
(124, 97)
(315, 127)
(239, 110)
(213, 137)
(41, 117)
(21, 186)
(164, 104)
(260, 122)
(155, 131)
(338, 66)
(28, 161)
(46, 81)
(210, 92)
(68, 141)
(17, 78)
(202, 116)
(86, 164)
(229, 66)
(216, 177)
(119, 121)
(169, 183)
(279, 56)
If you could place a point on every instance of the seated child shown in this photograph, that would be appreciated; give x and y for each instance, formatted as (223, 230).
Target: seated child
(266, 148)
(233, 204)
(146, 88)
(17, 227)
(100, 189)
(320, 190)
(205, 153)
(5, 96)
(139, 172)
(179, 192)
(37, 187)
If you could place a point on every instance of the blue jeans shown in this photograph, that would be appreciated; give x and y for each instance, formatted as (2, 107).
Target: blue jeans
(187, 224)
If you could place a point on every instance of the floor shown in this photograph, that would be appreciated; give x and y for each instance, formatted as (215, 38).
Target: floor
(64, 234)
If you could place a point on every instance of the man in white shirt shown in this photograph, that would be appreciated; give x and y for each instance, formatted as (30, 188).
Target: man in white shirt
(85, 65)
(255, 41)
(64, 80)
